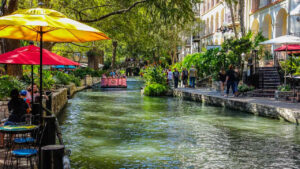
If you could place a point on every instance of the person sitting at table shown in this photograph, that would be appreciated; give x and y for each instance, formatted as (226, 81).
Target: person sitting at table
(17, 108)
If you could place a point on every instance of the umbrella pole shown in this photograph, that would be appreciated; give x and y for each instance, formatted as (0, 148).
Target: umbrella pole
(286, 55)
(32, 82)
(41, 75)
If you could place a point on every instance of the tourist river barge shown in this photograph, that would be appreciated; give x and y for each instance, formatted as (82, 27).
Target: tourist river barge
(111, 82)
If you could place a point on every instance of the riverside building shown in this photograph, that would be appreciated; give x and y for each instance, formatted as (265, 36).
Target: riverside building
(271, 17)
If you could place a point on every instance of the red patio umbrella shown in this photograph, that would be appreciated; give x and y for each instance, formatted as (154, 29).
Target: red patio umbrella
(288, 48)
(30, 55)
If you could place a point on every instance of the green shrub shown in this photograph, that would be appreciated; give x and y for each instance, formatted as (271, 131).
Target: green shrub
(122, 72)
(81, 73)
(75, 80)
(291, 65)
(284, 88)
(155, 90)
(97, 73)
(8, 83)
(61, 78)
(48, 80)
(245, 88)
(154, 74)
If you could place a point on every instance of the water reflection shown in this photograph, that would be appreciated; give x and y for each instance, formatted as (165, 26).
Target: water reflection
(122, 129)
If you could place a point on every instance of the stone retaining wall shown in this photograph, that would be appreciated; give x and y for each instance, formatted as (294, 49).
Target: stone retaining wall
(59, 97)
(88, 81)
(283, 95)
(254, 108)
(59, 100)
(3, 110)
(96, 80)
(71, 90)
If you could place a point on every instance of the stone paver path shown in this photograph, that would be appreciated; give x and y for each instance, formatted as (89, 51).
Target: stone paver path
(256, 100)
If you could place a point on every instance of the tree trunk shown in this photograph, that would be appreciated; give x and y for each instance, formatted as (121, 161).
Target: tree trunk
(96, 60)
(113, 62)
(101, 54)
(241, 14)
(232, 18)
(91, 61)
(11, 44)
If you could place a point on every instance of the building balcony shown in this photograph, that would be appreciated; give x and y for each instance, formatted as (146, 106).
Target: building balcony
(196, 38)
(188, 42)
(262, 4)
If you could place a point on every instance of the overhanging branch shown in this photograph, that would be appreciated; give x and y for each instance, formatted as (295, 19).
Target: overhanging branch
(115, 12)
(100, 6)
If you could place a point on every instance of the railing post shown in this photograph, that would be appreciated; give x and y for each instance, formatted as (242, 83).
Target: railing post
(52, 157)
(49, 135)
(49, 102)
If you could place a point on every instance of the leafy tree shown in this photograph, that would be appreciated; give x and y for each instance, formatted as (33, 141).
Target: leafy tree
(154, 74)
(232, 4)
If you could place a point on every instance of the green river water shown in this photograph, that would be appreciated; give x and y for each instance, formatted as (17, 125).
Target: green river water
(122, 129)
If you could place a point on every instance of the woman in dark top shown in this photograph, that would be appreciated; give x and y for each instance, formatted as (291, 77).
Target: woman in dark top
(222, 79)
(230, 80)
(17, 108)
(184, 76)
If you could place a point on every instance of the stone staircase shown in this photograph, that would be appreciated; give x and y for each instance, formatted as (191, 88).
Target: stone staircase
(269, 80)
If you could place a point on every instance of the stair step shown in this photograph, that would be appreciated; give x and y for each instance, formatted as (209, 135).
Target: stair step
(270, 79)
(270, 74)
(267, 68)
(264, 91)
(270, 83)
(263, 95)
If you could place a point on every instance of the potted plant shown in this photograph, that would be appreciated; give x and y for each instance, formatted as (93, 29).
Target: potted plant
(283, 92)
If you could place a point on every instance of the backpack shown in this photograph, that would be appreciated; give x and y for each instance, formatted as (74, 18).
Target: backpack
(185, 73)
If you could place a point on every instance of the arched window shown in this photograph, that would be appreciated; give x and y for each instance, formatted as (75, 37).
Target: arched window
(217, 22)
(255, 27)
(222, 16)
(281, 23)
(212, 24)
(267, 26)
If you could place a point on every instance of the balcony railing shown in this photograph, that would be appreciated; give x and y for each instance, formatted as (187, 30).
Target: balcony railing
(258, 4)
(196, 38)
(188, 43)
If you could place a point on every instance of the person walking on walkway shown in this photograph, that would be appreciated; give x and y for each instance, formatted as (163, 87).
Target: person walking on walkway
(184, 77)
(193, 76)
(222, 79)
(170, 78)
(236, 80)
(230, 80)
(176, 78)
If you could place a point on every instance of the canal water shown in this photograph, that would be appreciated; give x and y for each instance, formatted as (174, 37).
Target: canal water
(122, 129)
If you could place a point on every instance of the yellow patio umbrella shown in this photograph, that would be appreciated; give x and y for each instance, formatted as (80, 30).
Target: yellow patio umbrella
(47, 25)
(39, 24)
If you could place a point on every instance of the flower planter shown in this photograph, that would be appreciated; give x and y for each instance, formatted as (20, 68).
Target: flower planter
(283, 95)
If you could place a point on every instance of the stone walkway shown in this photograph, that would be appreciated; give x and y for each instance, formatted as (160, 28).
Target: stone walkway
(268, 107)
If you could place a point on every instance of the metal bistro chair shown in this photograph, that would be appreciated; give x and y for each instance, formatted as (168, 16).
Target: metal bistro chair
(27, 147)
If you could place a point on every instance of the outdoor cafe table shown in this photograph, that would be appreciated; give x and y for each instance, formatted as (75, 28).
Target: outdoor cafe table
(12, 131)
